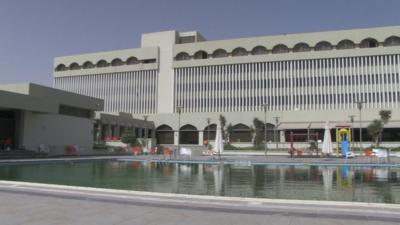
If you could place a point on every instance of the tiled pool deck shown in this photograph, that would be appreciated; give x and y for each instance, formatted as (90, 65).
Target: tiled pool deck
(27, 203)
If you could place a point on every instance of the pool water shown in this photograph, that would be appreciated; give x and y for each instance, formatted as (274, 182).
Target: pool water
(334, 183)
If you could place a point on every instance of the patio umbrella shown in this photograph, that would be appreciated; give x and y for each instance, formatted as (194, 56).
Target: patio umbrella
(219, 143)
(327, 145)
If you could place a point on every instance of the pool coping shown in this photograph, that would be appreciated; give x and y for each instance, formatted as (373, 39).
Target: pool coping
(237, 162)
(174, 197)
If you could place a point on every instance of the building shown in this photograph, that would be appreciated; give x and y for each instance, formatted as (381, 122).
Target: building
(35, 117)
(305, 79)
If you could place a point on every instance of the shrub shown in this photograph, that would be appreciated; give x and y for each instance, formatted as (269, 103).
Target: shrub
(128, 138)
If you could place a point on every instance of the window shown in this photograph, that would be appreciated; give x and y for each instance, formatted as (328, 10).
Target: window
(88, 65)
(201, 55)
(281, 48)
(239, 52)
(74, 66)
(182, 56)
(132, 61)
(323, 46)
(61, 67)
(369, 43)
(74, 111)
(345, 44)
(392, 41)
(117, 62)
(102, 63)
(259, 50)
(301, 47)
(219, 53)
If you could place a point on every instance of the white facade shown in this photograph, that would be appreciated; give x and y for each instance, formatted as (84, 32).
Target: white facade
(304, 78)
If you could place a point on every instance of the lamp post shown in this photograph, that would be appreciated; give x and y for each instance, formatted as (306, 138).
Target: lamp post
(179, 110)
(146, 131)
(265, 106)
(352, 130)
(275, 131)
(359, 107)
(208, 132)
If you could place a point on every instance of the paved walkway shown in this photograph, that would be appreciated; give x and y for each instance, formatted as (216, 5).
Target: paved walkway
(24, 203)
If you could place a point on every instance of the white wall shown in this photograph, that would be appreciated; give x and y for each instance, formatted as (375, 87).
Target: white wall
(56, 131)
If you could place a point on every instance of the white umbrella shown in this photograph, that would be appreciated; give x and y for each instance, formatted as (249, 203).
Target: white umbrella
(327, 145)
(219, 143)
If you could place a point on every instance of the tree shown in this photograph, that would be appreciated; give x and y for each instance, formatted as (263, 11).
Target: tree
(229, 130)
(385, 116)
(222, 121)
(259, 133)
(375, 129)
(128, 138)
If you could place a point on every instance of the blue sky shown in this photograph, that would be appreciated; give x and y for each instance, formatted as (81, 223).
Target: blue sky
(32, 33)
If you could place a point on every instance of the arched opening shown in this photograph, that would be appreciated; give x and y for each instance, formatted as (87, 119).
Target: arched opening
(210, 130)
(369, 43)
(259, 50)
(74, 66)
(182, 56)
(392, 41)
(345, 44)
(239, 52)
(301, 47)
(281, 48)
(323, 46)
(61, 67)
(165, 135)
(102, 63)
(189, 135)
(117, 62)
(88, 65)
(219, 53)
(201, 55)
(240, 133)
(132, 61)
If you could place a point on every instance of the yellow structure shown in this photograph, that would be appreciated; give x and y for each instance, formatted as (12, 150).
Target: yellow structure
(340, 132)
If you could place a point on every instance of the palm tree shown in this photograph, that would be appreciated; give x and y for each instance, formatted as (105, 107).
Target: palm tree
(385, 117)
(374, 129)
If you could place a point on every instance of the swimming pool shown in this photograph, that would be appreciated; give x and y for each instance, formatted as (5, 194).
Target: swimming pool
(334, 183)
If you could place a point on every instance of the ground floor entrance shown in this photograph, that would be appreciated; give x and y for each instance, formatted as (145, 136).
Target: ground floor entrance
(7, 129)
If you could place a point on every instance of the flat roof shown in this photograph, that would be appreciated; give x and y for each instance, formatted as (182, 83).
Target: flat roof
(38, 98)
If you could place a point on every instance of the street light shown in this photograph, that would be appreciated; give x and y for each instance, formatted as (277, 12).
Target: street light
(275, 131)
(265, 128)
(208, 132)
(359, 107)
(146, 131)
(179, 109)
(352, 130)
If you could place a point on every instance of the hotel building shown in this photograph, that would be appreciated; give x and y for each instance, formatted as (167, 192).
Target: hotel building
(305, 79)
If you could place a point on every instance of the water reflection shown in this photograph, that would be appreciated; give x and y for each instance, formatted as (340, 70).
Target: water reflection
(341, 183)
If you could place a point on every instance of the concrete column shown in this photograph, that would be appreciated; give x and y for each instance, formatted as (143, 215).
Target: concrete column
(282, 136)
(201, 133)
(176, 136)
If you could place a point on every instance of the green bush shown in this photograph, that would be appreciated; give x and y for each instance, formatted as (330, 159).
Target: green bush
(128, 138)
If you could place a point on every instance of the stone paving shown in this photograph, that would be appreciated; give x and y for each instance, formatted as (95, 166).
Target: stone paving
(49, 205)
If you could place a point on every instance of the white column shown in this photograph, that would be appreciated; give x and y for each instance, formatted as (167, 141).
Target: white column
(201, 133)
